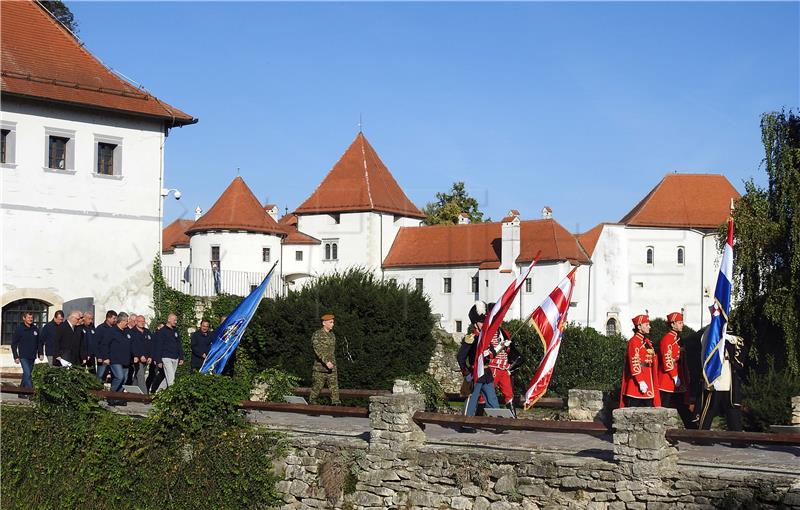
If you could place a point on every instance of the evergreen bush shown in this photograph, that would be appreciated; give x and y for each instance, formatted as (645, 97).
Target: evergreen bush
(383, 330)
(766, 398)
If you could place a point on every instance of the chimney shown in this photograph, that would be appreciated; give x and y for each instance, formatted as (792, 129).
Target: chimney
(197, 213)
(547, 213)
(510, 240)
(463, 218)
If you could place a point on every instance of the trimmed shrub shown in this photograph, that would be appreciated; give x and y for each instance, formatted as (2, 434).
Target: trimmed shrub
(383, 330)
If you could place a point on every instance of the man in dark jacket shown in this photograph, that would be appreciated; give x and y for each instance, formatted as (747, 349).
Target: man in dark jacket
(140, 346)
(88, 339)
(103, 336)
(118, 355)
(168, 352)
(68, 341)
(200, 343)
(26, 346)
(49, 333)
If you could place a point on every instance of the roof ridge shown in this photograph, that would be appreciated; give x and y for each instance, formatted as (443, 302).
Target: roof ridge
(366, 170)
(642, 203)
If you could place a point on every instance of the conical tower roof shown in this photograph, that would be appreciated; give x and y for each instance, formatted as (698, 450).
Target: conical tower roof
(237, 209)
(359, 181)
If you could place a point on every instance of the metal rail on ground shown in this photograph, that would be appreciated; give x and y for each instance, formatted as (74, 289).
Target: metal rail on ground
(488, 422)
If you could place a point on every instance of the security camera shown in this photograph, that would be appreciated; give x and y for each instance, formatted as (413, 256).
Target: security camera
(177, 195)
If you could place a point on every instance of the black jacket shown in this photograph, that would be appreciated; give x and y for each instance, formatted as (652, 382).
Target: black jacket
(68, 344)
(168, 344)
(49, 333)
(102, 338)
(466, 357)
(200, 344)
(88, 339)
(26, 342)
(142, 342)
(119, 347)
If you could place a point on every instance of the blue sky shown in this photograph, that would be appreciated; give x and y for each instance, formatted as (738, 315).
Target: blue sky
(580, 106)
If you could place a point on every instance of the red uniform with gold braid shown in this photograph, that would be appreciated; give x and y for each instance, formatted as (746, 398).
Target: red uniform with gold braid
(506, 360)
(641, 365)
(671, 365)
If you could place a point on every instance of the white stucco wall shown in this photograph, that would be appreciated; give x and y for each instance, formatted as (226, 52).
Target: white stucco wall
(624, 285)
(75, 233)
(238, 251)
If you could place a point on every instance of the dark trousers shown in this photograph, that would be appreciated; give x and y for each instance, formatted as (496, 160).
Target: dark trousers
(678, 401)
(637, 402)
(718, 403)
(154, 378)
(27, 370)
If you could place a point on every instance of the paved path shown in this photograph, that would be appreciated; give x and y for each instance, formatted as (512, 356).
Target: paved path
(782, 459)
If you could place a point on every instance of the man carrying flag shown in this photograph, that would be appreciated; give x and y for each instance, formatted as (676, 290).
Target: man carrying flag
(549, 320)
(482, 386)
(230, 332)
(721, 360)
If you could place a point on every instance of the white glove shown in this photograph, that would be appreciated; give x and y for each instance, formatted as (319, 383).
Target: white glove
(676, 380)
(643, 387)
(505, 344)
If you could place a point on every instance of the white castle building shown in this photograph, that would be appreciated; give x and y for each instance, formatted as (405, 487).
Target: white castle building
(82, 171)
(660, 257)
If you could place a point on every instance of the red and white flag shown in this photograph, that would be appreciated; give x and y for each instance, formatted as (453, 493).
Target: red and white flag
(549, 320)
(495, 319)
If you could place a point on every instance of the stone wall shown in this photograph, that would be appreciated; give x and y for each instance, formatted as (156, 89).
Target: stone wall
(396, 469)
(444, 365)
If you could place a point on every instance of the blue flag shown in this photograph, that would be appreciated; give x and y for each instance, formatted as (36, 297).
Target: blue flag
(230, 332)
(714, 336)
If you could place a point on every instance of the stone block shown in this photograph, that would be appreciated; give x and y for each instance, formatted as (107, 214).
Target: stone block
(298, 488)
(501, 505)
(364, 498)
(481, 503)
(424, 498)
(461, 503)
(506, 484)
(573, 482)
(626, 496)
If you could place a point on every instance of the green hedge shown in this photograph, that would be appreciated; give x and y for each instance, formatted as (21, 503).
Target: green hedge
(587, 359)
(385, 328)
(193, 453)
(766, 398)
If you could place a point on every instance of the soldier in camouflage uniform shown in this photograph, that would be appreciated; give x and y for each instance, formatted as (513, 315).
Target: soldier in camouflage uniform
(324, 369)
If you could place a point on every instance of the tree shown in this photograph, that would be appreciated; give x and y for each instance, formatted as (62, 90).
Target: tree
(61, 12)
(767, 265)
(449, 206)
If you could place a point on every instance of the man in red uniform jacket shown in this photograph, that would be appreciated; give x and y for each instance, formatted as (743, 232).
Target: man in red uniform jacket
(673, 372)
(639, 376)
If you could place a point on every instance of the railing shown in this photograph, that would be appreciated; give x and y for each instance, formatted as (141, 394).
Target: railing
(207, 283)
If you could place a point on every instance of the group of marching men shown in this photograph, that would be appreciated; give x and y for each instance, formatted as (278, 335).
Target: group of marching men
(122, 347)
(649, 379)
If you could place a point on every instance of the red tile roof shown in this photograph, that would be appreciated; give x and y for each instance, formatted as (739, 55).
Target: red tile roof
(359, 181)
(294, 236)
(288, 219)
(685, 200)
(42, 60)
(174, 235)
(479, 244)
(237, 209)
(589, 238)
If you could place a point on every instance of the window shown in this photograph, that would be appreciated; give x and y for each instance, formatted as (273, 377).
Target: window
(215, 254)
(108, 156)
(474, 284)
(448, 285)
(458, 326)
(8, 139)
(680, 255)
(253, 286)
(298, 255)
(418, 283)
(393, 281)
(611, 327)
(487, 283)
(650, 255)
(57, 153)
(528, 285)
(12, 316)
(4, 144)
(59, 149)
(105, 158)
(265, 254)
(331, 249)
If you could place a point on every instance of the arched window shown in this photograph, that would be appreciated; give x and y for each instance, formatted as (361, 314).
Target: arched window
(12, 316)
(649, 255)
(611, 327)
(680, 255)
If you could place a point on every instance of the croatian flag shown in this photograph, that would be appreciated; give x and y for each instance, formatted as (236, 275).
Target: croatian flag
(495, 319)
(714, 335)
(230, 332)
(549, 320)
